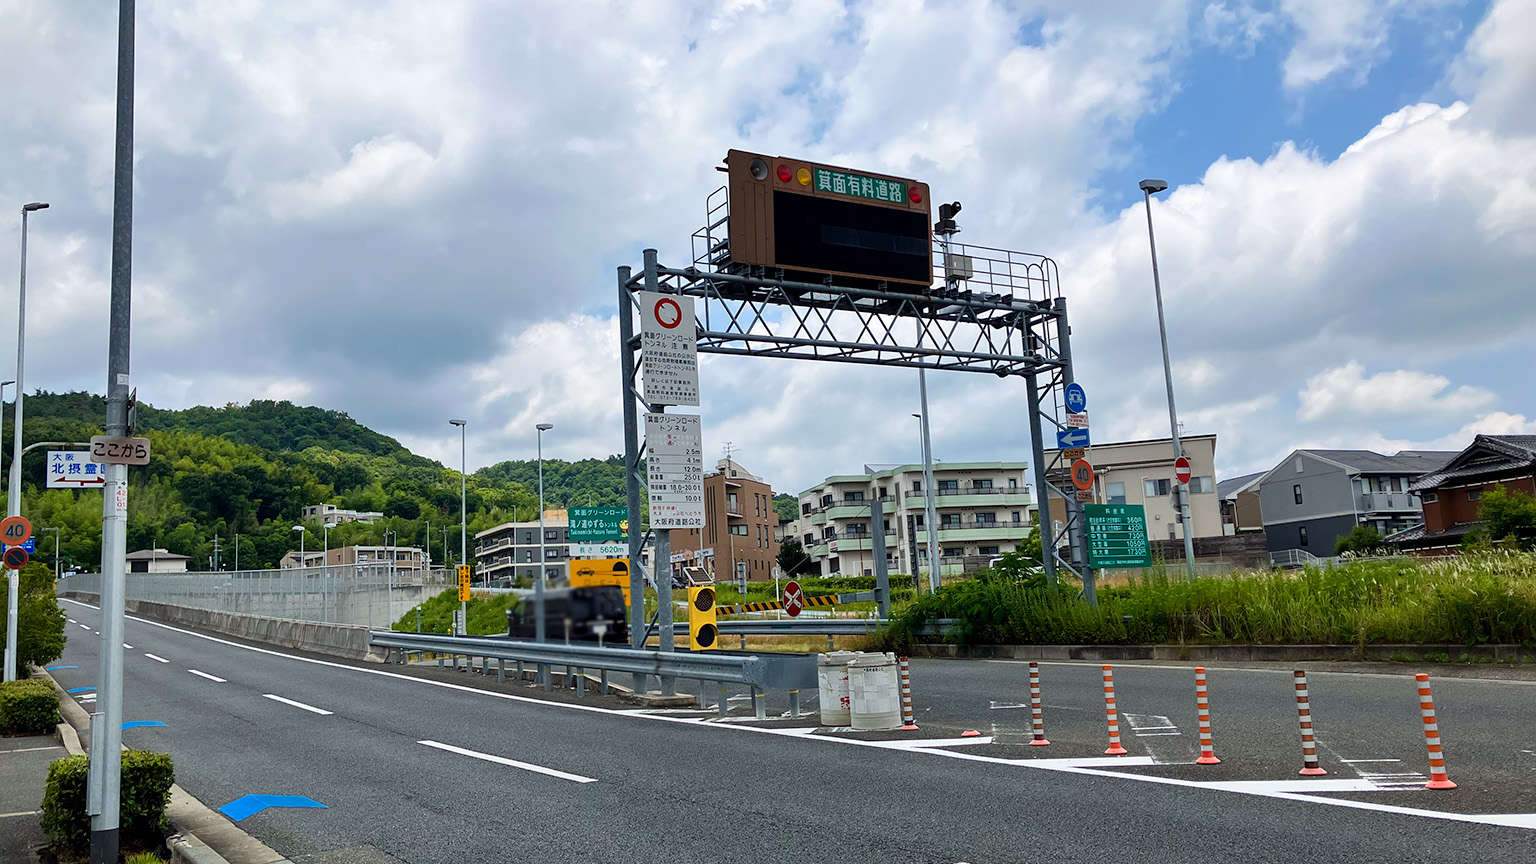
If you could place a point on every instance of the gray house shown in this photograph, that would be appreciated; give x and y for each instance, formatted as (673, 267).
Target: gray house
(1314, 497)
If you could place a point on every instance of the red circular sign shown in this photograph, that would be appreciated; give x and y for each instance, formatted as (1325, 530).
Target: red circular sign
(1181, 469)
(1082, 474)
(15, 530)
(16, 557)
(668, 313)
(794, 601)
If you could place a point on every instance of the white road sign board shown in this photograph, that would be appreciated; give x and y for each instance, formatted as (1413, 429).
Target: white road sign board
(73, 469)
(669, 349)
(599, 550)
(674, 470)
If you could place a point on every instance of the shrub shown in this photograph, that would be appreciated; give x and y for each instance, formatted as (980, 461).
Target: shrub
(145, 790)
(28, 707)
(39, 620)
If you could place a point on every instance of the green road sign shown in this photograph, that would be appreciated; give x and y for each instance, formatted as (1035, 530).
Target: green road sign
(598, 524)
(1117, 536)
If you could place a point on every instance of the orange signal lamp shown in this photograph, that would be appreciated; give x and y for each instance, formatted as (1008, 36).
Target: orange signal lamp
(804, 176)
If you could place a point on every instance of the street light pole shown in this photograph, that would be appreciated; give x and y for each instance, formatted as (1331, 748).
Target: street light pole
(930, 507)
(1148, 187)
(463, 514)
(538, 584)
(13, 490)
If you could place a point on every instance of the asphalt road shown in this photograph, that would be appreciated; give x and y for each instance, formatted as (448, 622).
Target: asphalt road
(667, 787)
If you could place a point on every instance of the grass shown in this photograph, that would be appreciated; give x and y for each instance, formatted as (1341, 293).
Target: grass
(1469, 599)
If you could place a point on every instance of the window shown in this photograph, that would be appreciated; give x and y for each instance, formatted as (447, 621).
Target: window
(1302, 535)
(852, 497)
(551, 554)
(1016, 520)
(1200, 485)
(986, 550)
(528, 556)
(1296, 493)
(527, 537)
(829, 533)
(1299, 466)
(918, 520)
(1429, 497)
(810, 539)
(917, 487)
(954, 552)
(986, 518)
(981, 484)
(1474, 494)
(732, 503)
(552, 534)
(739, 530)
(949, 519)
(826, 500)
(805, 508)
(1114, 492)
(948, 485)
(1154, 488)
(1013, 482)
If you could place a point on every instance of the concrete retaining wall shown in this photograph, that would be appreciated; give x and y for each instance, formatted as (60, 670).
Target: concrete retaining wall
(1216, 652)
(339, 640)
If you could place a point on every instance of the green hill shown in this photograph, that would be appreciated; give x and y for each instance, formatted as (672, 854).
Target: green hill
(248, 470)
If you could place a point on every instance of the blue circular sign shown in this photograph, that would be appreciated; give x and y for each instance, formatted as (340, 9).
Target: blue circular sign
(1077, 398)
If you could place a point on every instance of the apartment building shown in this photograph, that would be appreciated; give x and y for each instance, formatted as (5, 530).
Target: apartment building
(1314, 497)
(404, 557)
(1141, 472)
(983, 511)
(333, 514)
(739, 525)
(511, 550)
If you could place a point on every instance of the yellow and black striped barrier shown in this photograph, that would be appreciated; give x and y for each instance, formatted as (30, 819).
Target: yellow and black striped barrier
(828, 600)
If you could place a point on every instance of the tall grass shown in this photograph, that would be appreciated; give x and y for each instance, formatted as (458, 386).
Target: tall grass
(1469, 599)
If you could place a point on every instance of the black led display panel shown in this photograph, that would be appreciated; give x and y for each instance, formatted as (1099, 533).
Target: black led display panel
(821, 233)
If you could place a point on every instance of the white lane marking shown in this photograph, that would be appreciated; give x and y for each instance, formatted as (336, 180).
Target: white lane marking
(19, 812)
(206, 675)
(1339, 784)
(126, 645)
(1001, 705)
(32, 749)
(1358, 761)
(923, 743)
(83, 627)
(276, 698)
(73, 621)
(156, 657)
(1510, 820)
(511, 763)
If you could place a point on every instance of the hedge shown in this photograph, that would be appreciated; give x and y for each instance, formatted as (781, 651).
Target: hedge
(145, 790)
(28, 707)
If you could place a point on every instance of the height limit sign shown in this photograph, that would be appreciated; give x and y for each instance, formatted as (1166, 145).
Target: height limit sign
(669, 349)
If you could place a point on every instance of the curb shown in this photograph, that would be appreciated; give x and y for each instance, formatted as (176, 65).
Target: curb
(185, 813)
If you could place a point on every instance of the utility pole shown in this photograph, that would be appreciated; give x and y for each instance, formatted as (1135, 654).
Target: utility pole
(102, 793)
(464, 516)
(215, 552)
(1147, 188)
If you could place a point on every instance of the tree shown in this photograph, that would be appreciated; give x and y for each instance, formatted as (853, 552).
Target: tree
(1361, 540)
(1509, 514)
(792, 558)
(786, 506)
(39, 620)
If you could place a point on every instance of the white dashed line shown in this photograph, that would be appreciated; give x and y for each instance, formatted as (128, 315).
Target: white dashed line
(156, 657)
(512, 763)
(126, 645)
(276, 698)
(83, 627)
(206, 675)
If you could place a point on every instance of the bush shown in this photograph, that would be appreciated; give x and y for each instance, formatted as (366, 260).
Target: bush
(39, 620)
(28, 707)
(146, 789)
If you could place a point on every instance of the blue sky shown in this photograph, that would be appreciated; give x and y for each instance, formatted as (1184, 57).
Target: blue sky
(412, 211)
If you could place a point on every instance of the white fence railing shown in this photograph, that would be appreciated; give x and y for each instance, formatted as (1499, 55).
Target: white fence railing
(372, 595)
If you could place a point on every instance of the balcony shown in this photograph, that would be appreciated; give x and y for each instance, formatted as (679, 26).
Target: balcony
(733, 509)
(970, 497)
(1388, 502)
(494, 546)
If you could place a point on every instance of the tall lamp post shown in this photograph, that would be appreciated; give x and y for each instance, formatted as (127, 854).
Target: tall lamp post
(930, 507)
(13, 491)
(538, 584)
(463, 513)
(55, 550)
(1148, 189)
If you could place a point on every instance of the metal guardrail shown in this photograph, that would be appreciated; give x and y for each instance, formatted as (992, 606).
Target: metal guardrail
(760, 671)
(811, 627)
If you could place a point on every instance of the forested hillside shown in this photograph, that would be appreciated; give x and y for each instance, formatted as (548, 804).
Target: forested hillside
(248, 470)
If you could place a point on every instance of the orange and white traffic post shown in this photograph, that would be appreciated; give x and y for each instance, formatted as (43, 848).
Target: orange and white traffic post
(1111, 715)
(1034, 706)
(1203, 711)
(908, 723)
(1310, 768)
(1437, 778)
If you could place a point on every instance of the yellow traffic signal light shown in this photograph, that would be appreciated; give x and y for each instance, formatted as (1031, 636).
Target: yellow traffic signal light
(702, 633)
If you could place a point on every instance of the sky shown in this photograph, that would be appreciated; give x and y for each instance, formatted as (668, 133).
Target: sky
(413, 211)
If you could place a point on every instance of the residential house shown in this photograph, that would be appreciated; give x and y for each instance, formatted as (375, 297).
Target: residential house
(1451, 496)
(1240, 507)
(1141, 472)
(156, 561)
(1314, 497)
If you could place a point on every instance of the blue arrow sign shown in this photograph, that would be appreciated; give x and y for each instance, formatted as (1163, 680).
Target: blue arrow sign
(249, 805)
(1077, 398)
(136, 724)
(30, 546)
(1071, 438)
(79, 689)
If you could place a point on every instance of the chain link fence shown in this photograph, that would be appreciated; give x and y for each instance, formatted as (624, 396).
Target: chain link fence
(371, 595)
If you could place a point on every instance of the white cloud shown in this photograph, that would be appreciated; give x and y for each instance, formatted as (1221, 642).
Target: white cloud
(1346, 390)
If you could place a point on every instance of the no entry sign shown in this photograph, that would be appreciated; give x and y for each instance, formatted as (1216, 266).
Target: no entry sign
(794, 601)
(1181, 469)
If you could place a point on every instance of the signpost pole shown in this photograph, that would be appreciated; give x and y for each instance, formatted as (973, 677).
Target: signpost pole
(661, 568)
(1075, 518)
(632, 466)
(107, 724)
(1042, 485)
(877, 548)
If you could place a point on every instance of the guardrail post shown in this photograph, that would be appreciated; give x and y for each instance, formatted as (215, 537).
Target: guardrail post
(501, 670)
(581, 683)
(703, 700)
(520, 672)
(604, 674)
(725, 702)
(439, 661)
(544, 676)
(829, 643)
(759, 703)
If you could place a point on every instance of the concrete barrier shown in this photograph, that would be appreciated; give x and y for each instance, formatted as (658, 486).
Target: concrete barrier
(339, 640)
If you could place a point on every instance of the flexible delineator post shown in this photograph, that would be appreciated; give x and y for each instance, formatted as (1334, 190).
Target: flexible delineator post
(1111, 715)
(1203, 711)
(1034, 706)
(908, 723)
(1310, 768)
(1437, 778)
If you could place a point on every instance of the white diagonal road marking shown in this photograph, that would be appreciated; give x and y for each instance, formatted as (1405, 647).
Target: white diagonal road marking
(512, 763)
(276, 698)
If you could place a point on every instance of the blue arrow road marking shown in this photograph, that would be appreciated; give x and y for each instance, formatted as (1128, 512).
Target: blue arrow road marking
(249, 805)
(57, 668)
(134, 724)
(79, 689)
(1072, 438)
